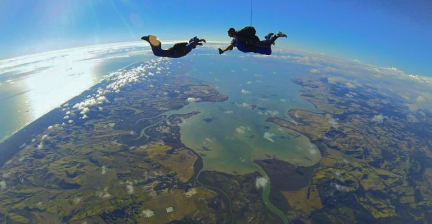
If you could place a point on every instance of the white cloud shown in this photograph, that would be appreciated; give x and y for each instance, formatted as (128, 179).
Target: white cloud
(350, 85)
(85, 110)
(228, 112)
(3, 185)
(245, 105)
(314, 70)
(340, 187)
(148, 213)
(420, 99)
(249, 82)
(261, 182)
(333, 122)
(191, 192)
(84, 106)
(270, 113)
(129, 187)
(378, 118)
(104, 193)
(269, 136)
(118, 80)
(193, 99)
(332, 80)
(243, 91)
(242, 129)
(77, 200)
(169, 209)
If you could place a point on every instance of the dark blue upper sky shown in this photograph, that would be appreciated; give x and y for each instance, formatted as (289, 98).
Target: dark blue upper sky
(395, 33)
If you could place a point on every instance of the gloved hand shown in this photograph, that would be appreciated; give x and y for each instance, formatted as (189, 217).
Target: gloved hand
(220, 51)
(194, 39)
(203, 40)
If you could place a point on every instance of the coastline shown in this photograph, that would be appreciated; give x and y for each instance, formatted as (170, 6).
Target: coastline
(14, 143)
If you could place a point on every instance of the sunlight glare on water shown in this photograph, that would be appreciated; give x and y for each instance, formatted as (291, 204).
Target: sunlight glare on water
(33, 85)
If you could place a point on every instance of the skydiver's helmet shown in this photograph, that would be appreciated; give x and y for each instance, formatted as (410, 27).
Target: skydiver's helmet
(231, 32)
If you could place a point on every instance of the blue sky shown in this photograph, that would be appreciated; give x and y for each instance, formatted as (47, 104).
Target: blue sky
(386, 33)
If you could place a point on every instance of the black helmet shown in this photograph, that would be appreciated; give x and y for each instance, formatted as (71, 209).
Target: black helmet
(231, 31)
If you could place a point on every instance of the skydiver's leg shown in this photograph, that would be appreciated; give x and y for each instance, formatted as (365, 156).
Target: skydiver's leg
(156, 46)
(264, 50)
(270, 39)
(275, 37)
(267, 42)
(268, 36)
(158, 51)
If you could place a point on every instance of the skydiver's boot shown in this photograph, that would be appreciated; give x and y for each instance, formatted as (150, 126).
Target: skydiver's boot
(280, 34)
(275, 37)
(268, 37)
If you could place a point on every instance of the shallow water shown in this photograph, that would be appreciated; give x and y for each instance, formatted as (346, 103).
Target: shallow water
(234, 134)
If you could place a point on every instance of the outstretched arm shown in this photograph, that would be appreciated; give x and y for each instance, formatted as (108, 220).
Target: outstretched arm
(229, 48)
(194, 42)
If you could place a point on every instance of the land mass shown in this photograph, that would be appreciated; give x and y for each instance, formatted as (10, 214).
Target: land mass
(114, 155)
(377, 157)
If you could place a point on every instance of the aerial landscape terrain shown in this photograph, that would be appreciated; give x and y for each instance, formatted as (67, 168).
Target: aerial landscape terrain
(369, 171)
(87, 165)
(216, 112)
(117, 154)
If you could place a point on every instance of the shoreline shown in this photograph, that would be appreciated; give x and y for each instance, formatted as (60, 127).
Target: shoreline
(14, 143)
